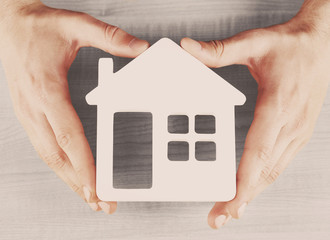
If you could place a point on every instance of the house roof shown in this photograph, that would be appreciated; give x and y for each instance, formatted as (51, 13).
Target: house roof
(163, 71)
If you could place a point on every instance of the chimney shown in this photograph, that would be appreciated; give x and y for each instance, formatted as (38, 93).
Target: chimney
(105, 73)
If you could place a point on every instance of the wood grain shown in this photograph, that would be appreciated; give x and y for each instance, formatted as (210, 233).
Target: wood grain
(132, 150)
(35, 204)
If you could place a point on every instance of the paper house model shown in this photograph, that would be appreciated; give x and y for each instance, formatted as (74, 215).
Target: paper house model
(165, 97)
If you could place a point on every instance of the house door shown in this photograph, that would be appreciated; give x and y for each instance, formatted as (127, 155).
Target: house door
(132, 150)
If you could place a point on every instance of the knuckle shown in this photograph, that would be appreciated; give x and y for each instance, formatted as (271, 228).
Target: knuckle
(53, 92)
(300, 125)
(218, 49)
(294, 128)
(264, 173)
(55, 160)
(64, 139)
(110, 33)
(274, 174)
(264, 155)
(74, 187)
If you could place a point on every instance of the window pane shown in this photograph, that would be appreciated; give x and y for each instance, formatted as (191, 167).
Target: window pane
(178, 124)
(205, 151)
(205, 124)
(178, 151)
(132, 150)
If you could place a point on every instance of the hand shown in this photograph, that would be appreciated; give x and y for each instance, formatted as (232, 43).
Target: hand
(290, 63)
(37, 46)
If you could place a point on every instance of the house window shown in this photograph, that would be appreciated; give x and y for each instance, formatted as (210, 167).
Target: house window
(205, 124)
(179, 150)
(178, 124)
(205, 151)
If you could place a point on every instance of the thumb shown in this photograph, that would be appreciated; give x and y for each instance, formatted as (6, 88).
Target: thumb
(90, 32)
(239, 49)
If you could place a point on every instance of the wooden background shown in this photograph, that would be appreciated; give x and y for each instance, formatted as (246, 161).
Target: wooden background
(35, 204)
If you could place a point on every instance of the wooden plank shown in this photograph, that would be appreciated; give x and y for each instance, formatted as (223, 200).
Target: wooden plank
(35, 204)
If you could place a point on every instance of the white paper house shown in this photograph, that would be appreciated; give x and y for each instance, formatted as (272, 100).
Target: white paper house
(166, 81)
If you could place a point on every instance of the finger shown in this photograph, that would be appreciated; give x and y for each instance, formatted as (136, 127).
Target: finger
(90, 32)
(70, 137)
(43, 139)
(288, 155)
(284, 142)
(257, 159)
(239, 49)
(220, 213)
(256, 162)
(286, 147)
(291, 139)
(57, 160)
(108, 207)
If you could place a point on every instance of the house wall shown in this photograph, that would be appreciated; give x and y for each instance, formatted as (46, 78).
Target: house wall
(173, 180)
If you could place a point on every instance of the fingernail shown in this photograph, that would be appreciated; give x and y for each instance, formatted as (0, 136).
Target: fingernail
(105, 207)
(220, 221)
(228, 219)
(138, 44)
(93, 206)
(195, 45)
(87, 193)
(241, 210)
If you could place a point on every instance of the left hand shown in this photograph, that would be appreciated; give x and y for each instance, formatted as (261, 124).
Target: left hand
(37, 47)
(290, 63)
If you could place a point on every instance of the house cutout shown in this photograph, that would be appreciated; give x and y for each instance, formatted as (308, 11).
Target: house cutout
(165, 84)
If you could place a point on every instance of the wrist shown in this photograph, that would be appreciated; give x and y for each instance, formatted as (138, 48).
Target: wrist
(10, 8)
(314, 18)
(13, 13)
(12, 5)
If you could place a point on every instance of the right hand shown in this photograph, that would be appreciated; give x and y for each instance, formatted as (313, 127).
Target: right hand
(290, 63)
(37, 47)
